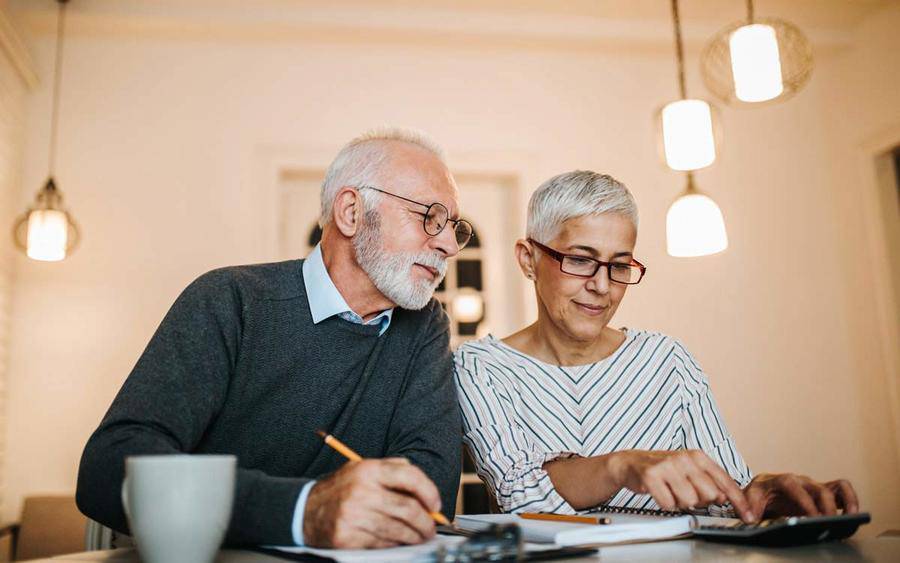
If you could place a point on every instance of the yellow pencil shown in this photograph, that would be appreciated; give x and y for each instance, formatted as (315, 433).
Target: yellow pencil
(345, 451)
(564, 518)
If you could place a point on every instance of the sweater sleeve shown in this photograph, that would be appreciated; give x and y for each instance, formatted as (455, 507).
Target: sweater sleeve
(507, 458)
(165, 406)
(425, 427)
(703, 427)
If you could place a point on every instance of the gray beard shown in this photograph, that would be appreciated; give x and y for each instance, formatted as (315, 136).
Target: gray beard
(391, 272)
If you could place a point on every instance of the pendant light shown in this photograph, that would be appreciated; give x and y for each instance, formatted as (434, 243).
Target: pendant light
(46, 231)
(694, 224)
(756, 60)
(689, 141)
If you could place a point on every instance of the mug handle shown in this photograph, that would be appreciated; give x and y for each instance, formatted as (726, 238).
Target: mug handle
(125, 497)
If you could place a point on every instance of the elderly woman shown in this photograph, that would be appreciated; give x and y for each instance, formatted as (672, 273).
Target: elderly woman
(569, 414)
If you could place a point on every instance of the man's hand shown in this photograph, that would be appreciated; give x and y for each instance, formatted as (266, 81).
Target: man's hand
(371, 503)
(786, 494)
(681, 479)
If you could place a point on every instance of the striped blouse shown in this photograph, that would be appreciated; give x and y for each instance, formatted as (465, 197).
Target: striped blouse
(519, 413)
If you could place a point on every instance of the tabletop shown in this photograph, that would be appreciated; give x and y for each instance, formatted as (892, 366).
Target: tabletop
(866, 549)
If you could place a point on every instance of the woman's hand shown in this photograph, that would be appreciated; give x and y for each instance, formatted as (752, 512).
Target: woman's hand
(681, 479)
(786, 494)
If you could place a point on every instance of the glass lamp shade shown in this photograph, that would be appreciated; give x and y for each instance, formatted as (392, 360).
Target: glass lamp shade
(46, 231)
(688, 139)
(755, 63)
(467, 307)
(47, 235)
(695, 226)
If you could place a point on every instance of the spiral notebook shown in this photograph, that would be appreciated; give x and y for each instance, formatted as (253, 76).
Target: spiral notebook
(626, 526)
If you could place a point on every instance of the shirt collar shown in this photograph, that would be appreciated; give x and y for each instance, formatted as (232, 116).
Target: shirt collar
(326, 301)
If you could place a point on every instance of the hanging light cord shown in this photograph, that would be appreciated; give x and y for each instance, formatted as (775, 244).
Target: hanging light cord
(57, 71)
(750, 11)
(679, 50)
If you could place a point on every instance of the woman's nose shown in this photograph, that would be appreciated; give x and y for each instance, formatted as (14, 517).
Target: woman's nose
(600, 281)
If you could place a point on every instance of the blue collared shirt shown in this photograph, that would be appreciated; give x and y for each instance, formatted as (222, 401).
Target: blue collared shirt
(325, 301)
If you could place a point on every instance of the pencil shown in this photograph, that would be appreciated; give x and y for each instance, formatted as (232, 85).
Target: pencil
(345, 451)
(564, 518)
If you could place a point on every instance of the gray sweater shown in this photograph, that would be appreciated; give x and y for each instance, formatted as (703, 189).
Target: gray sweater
(238, 367)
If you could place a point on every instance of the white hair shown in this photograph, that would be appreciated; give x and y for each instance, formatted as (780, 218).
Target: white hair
(576, 194)
(359, 162)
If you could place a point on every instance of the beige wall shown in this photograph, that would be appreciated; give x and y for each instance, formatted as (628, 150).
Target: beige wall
(167, 144)
(16, 78)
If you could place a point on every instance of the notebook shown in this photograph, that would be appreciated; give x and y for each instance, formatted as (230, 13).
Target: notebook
(628, 525)
(622, 529)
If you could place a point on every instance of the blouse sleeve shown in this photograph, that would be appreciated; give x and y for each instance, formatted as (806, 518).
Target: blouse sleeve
(507, 459)
(702, 425)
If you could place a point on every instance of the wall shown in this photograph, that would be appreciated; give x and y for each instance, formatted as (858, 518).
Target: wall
(166, 139)
(16, 78)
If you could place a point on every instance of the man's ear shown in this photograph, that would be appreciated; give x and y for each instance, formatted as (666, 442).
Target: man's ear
(347, 210)
(526, 258)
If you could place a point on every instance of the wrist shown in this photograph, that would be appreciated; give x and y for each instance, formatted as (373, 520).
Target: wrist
(312, 518)
(613, 470)
(610, 473)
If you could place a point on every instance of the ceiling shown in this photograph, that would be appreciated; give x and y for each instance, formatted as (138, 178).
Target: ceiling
(828, 23)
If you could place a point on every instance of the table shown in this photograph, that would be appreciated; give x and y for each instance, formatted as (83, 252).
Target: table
(866, 549)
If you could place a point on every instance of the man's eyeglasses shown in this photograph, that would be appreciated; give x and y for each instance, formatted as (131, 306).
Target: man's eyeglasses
(584, 267)
(435, 218)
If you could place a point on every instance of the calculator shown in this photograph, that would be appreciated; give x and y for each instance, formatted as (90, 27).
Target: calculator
(785, 531)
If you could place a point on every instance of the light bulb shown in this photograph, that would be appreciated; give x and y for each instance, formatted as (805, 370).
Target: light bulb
(688, 135)
(468, 307)
(695, 227)
(47, 235)
(755, 63)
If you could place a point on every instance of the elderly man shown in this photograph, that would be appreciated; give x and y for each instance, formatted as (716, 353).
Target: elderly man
(251, 360)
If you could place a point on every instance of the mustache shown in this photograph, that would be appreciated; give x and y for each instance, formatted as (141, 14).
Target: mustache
(432, 260)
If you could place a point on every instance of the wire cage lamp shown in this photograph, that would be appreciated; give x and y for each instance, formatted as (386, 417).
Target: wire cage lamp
(46, 231)
(756, 60)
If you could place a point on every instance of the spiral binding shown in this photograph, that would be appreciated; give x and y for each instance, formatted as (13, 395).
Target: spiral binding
(639, 511)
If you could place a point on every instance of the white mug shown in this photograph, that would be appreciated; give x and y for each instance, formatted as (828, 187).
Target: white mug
(179, 506)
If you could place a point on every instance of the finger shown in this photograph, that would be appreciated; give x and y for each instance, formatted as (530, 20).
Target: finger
(792, 489)
(390, 530)
(408, 511)
(732, 492)
(757, 501)
(354, 537)
(410, 479)
(706, 488)
(845, 494)
(660, 492)
(824, 498)
(685, 495)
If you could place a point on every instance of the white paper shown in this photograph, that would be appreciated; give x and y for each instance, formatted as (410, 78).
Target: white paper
(420, 552)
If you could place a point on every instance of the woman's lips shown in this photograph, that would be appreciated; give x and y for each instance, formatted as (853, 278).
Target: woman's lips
(591, 309)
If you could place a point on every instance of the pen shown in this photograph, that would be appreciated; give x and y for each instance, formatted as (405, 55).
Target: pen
(564, 518)
(345, 451)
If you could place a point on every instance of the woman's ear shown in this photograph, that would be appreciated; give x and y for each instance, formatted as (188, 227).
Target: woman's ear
(346, 211)
(526, 258)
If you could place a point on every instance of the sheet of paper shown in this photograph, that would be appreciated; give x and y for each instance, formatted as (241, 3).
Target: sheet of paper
(401, 554)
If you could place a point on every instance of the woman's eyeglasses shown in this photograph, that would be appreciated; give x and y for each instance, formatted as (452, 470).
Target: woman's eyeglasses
(628, 273)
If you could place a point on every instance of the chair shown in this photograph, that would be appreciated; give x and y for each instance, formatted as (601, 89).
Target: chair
(97, 536)
(50, 525)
